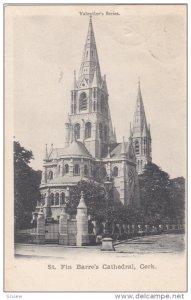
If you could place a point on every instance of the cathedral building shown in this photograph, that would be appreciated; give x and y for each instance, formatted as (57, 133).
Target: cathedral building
(91, 151)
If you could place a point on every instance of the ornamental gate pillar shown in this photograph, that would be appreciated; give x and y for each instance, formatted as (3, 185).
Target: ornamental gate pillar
(82, 237)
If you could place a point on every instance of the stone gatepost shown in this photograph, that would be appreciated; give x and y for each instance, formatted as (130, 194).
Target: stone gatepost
(82, 237)
(40, 235)
(63, 228)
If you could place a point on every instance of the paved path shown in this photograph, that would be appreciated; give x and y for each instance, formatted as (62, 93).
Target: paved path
(166, 243)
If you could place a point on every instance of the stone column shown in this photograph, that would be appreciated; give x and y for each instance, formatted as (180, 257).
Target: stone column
(46, 208)
(40, 236)
(82, 168)
(71, 165)
(82, 223)
(63, 231)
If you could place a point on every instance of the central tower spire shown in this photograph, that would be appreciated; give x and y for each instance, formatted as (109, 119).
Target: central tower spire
(90, 120)
(90, 61)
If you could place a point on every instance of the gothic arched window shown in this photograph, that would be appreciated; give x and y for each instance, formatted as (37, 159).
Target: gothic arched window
(137, 147)
(72, 109)
(102, 103)
(62, 198)
(94, 93)
(115, 172)
(100, 131)
(85, 170)
(83, 101)
(50, 175)
(76, 169)
(88, 128)
(51, 199)
(77, 131)
(57, 199)
(105, 133)
(66, 167)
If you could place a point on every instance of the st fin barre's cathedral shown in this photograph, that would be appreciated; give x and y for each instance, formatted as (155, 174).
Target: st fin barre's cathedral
(91, 151)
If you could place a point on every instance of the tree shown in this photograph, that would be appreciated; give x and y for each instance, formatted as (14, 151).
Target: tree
(94, 195)
(96, 200)
(177, 204)
(155, 193)
(26, 186)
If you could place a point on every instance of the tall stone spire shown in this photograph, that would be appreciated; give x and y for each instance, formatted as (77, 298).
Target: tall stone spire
(90, 61)
(141, 134)
(139, 119)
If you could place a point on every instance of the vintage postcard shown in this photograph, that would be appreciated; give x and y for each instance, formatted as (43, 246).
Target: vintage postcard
(95, 148)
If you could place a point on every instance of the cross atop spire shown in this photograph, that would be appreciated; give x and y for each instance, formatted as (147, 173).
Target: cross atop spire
(90, 61)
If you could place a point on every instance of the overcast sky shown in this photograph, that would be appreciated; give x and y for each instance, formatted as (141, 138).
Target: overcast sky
(142, 41)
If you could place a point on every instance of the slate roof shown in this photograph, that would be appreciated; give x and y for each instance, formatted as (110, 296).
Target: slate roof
(115, 150)
(75, 149)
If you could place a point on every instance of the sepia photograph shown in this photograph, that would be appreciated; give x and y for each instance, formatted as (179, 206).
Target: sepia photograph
(95, 148)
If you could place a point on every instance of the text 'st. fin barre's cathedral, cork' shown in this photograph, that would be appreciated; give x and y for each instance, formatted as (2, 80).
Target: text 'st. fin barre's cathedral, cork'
(91, 151)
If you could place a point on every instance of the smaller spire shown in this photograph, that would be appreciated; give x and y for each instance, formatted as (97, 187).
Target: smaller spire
(123, 150)
(104, 84)
(149, 131)
(51, 149)
(144, 133)
(139, 95)
(75, 82)
(95, 82)
(114, 135)
(130, 131)
(108, 152)
(46, 152)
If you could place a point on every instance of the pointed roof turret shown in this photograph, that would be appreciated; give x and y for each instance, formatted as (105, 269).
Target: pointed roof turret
(104, 84)
(130, 131)
(95, 82)
(149, 131)
(123, 148)
(108, 152)
(90, 60)
(145, 130)
(75, 86)
(114, 135)
(46, 153)
(139, 114)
